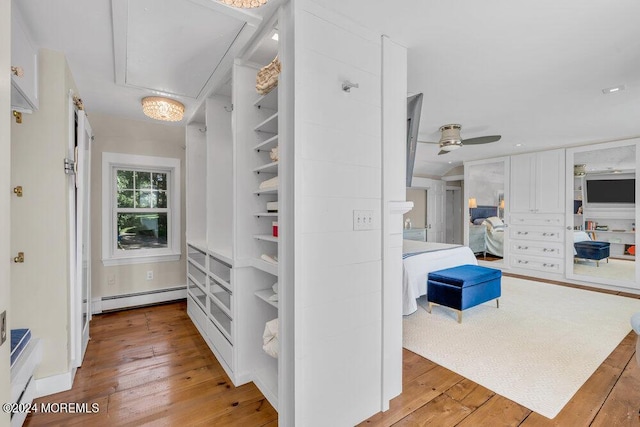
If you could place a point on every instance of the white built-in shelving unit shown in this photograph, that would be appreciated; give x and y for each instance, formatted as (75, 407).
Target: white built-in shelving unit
(230, 285)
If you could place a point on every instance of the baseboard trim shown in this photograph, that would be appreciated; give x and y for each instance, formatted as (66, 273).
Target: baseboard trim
(54, 384)
(118, 302)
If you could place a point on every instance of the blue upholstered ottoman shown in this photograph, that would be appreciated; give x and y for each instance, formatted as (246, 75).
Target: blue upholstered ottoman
(463, 287)
(591, 249)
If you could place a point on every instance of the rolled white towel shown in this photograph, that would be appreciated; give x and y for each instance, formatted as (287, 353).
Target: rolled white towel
(271, 259)
(270, 343)
(269, 183)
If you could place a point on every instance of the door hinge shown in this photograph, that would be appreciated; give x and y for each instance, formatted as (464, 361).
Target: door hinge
(69, 166)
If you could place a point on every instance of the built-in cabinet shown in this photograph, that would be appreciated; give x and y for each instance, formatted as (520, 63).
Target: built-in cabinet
(536, 223)
(328, 354)
(537, 182)
(24, 66)
(232, 227)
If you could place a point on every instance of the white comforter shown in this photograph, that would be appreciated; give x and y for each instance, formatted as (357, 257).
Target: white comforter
(415, 268)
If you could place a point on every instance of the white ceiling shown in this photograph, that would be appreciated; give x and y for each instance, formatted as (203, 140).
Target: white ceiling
(531, 71)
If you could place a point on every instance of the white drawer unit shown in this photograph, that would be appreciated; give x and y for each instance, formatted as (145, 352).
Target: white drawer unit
(210, 301)
(221, 294)
(197, 275)
(546, 234)
(197, 256)
(221, 320)
(545, 249)
(197, 293)
(537, 219)
(550, 265)
(220, 270)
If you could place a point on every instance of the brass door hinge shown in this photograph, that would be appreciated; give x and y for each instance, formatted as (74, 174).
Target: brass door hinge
(18, 116)
(18, 190)
(19, 258)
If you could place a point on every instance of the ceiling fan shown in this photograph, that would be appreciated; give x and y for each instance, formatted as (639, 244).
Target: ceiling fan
(451, 139)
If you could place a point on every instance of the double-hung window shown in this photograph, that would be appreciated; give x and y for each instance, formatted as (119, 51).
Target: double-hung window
(141, 209)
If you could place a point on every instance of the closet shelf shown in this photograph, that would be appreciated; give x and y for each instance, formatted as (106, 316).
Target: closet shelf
(271, 214)
(265, 266)
(268, 168)
(270, 125)
(267, 144)
(269, 100)
(266, 191)
(265, 237)
(265, 294)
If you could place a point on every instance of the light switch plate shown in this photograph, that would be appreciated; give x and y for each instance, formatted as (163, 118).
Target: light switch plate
(362, 220)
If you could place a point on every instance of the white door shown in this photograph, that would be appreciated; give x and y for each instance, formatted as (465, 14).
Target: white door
(436, 212)
(83, 233)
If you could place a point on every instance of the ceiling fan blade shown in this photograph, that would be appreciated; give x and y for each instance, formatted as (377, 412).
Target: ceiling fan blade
(428, 142)
(443, 152)
(481, 140)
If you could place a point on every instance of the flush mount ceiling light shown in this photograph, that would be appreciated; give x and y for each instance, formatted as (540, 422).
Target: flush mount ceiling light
(450, 139)
(244, 4)
(160, 108)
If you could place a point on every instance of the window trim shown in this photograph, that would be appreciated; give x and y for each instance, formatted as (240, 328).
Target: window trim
(113, 161)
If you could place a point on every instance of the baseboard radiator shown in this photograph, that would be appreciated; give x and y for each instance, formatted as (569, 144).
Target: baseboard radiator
(156, 296)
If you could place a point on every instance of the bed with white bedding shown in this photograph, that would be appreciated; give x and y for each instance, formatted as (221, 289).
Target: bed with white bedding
(420, 258)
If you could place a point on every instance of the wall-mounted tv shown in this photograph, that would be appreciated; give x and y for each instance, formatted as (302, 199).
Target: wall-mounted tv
(414, 108)
(611, 191)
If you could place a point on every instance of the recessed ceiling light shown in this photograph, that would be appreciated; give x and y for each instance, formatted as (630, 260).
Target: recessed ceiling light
(450, 162)
(613, 89)
(274, 36)
(518, 145)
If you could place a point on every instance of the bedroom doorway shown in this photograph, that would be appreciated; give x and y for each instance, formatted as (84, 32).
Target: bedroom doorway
(453, 208)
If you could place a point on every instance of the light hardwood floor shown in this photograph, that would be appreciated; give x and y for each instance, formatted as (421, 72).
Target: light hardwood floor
(149, 366)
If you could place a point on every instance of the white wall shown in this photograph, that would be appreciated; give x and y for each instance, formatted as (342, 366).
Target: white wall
(5, 168)
(418, 214)
(120, 135)
(39, 219)
(338, 271)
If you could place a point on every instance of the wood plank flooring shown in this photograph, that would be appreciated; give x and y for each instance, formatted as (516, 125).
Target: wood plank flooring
(435, 396)
(149, 366)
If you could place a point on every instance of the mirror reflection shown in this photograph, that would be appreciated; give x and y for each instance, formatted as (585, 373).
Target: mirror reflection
(604, 213)
(486, 209)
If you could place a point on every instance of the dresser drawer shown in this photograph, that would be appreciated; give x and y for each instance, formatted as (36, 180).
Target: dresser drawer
(197, 293)
(538, 219)
(196, 255)
(536, 248)
(220, 269)
(545, 234)
(551, 265)
(196, 274)
(222, 295)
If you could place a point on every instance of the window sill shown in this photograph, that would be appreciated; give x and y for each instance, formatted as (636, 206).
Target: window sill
(109, 262)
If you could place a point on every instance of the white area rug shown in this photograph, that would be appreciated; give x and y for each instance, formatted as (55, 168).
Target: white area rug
(614, 269)
(537, 349)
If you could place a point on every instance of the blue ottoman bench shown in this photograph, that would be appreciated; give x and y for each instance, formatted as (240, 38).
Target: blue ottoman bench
(463, 287)
(592, 249)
